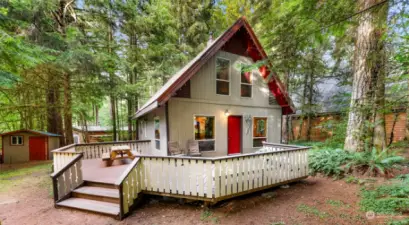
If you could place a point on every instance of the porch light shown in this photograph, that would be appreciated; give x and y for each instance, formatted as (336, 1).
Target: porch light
(227, 113)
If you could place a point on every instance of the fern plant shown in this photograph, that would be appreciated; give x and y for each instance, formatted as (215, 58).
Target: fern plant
(328, 162)
(372, 163)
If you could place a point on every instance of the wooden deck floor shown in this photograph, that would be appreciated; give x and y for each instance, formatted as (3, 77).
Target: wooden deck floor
(95, 170)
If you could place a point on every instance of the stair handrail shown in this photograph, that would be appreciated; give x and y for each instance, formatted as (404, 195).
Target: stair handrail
(57, 174)
(120, 184)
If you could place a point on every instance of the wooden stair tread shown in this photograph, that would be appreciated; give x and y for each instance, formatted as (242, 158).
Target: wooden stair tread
(98, 191)
(91, 205)
(91, 183)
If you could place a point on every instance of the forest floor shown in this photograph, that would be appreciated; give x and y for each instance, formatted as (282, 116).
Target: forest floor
(27, 199)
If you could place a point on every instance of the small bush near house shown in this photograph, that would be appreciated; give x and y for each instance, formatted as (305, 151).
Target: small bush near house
(373, 163)
(328, 161)
(338, 162)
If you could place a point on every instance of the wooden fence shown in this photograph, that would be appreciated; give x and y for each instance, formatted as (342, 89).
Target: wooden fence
(395, 125)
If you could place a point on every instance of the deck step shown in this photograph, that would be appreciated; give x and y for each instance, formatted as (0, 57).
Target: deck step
(97, 193)
(106, 208)
(99, 184)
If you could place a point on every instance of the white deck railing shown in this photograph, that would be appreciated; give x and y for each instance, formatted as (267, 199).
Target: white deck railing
(67, 178)
(200, 178)
(95, 150)
(211, 179)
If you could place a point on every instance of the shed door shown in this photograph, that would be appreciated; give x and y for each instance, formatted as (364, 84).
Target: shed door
(37, 148)
(234, 134)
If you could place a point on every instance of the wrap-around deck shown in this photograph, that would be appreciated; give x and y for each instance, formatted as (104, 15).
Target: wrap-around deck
(79, 173)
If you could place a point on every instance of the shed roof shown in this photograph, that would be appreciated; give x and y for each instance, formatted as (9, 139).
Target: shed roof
(182, 76)
(42, 133)
(95, 128)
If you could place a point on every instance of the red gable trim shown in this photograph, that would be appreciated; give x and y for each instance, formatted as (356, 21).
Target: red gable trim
(275, 86)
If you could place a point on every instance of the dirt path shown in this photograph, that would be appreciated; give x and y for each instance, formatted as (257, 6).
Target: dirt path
(313, 201)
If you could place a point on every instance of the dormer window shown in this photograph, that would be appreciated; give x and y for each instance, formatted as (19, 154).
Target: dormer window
(222, 76)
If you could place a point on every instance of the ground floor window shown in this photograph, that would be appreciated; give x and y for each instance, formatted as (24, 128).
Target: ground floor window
(157, 132)
(259, 131)
(76, 139)
(16, 140)
(204, 132)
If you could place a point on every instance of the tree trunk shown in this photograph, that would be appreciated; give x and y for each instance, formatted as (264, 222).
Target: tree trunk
(366, 49)
(54, 119)
(379, 73)
(96, 115)
(118, 122)
(379, 138)
(310, 97)
(395, 120)
(69, 138)
(302, 117)
(130, 108)
(407, 117)
(284, 125)
(113, 118)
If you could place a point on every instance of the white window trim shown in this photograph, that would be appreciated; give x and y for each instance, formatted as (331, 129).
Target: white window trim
(251, 81)
(18, 136)
(229, 80)
(252, 130)
(154, 129)
(78, 138)
(214, 139)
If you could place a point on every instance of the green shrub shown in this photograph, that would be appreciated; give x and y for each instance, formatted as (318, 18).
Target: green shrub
(373, 163)
(373, 201)
(328, 161)
(312, 144)
(398, 222)
(390, 198)
(338, 129)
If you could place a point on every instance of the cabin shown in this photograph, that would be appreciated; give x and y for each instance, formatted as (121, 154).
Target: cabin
(217, 101)
(229, 114)
(91, 134)
(25, 145)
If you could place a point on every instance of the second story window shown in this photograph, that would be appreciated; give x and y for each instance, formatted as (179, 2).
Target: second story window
(222, 76)
(246, 84)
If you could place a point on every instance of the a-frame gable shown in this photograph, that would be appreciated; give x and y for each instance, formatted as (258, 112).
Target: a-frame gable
(238, 39)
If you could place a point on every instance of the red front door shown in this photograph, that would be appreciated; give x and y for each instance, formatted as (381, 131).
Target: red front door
(36, 148)
(234, 134)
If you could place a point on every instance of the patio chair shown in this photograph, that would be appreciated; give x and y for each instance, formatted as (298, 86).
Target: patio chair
(174, 149)
(193, 148)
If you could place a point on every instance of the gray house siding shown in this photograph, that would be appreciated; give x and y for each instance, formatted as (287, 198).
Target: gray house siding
(204, 101)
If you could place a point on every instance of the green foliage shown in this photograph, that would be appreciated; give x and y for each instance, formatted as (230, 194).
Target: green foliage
(398, 222)
(328, 161)
(207, 215)
(338, 162)
(9, 178)
(387, 199)
(338, 130)
(373, 163)
(310, 210)
(336, 203)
